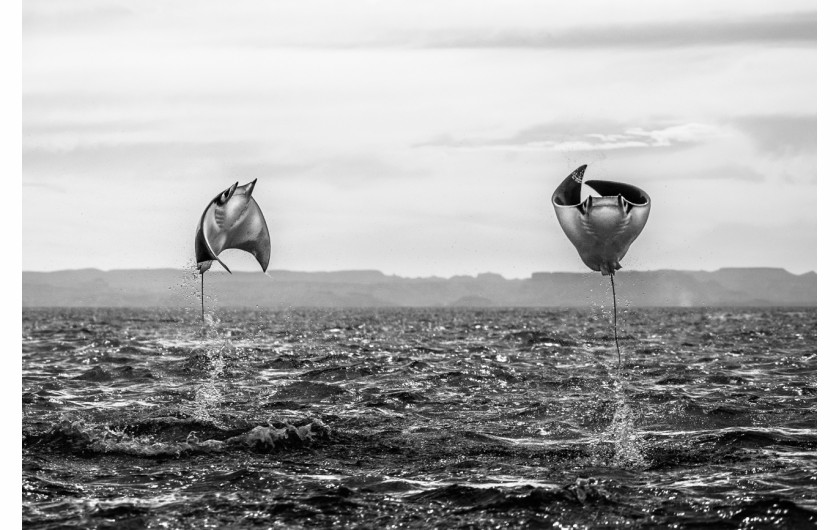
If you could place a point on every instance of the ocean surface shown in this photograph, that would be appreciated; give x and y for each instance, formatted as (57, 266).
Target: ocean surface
(484, 418)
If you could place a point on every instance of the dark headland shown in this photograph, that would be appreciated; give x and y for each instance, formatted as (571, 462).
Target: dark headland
(174, 288)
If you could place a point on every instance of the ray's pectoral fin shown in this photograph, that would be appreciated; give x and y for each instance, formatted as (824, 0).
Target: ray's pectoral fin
(260, 249)
(250, 234)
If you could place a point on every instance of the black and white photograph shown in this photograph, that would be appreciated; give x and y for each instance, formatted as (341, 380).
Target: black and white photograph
(419, 264)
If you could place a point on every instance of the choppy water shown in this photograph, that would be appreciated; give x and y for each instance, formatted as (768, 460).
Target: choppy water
(420, 418)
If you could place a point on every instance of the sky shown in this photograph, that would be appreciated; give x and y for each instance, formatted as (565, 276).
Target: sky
(418, 138)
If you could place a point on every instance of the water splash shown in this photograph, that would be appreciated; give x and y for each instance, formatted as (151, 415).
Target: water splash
(627, 442)
(216, 345)
(213, 345)
(188, 290)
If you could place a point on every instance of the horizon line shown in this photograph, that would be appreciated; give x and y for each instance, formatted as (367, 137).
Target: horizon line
(377, 271)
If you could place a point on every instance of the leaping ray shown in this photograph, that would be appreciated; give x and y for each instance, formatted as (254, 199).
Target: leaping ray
(601, 228)
(233, 219)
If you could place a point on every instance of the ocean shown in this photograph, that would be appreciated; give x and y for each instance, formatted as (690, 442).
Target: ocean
(419, 418)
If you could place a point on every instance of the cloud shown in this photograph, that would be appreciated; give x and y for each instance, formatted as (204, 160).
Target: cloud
(789, 28)
(36, 186)
(594, 137)
(343, 171)
(339, 25)
(47, 15)
(785, 29)
(665, 172)
(243, 160)
(148, 160)
(104, 127)
(780, 134)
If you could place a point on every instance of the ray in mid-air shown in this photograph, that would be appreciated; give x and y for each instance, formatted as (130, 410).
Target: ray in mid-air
(233, 219)
(602, 226)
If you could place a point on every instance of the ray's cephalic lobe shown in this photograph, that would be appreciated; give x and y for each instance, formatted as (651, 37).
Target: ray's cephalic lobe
(233, 219)
(602, 226)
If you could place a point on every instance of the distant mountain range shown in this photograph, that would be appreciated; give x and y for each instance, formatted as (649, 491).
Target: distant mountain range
(178, 288)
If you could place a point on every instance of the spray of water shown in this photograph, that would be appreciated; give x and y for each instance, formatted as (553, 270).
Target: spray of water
(186, 292)
(215, 346)
(212, 345)
(627, 443)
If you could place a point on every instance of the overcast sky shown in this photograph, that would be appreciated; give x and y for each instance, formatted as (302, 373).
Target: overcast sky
(419, 138)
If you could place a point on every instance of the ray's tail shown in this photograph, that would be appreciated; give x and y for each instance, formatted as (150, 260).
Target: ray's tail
(615, 320)
(202, 297)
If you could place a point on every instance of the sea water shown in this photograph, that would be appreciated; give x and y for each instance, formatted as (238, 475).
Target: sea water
(419, 418)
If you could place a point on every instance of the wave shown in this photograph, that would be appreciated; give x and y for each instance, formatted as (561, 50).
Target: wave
(79, 438)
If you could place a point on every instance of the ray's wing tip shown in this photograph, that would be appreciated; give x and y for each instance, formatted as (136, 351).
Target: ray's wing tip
(264, 262)
(223, 265)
